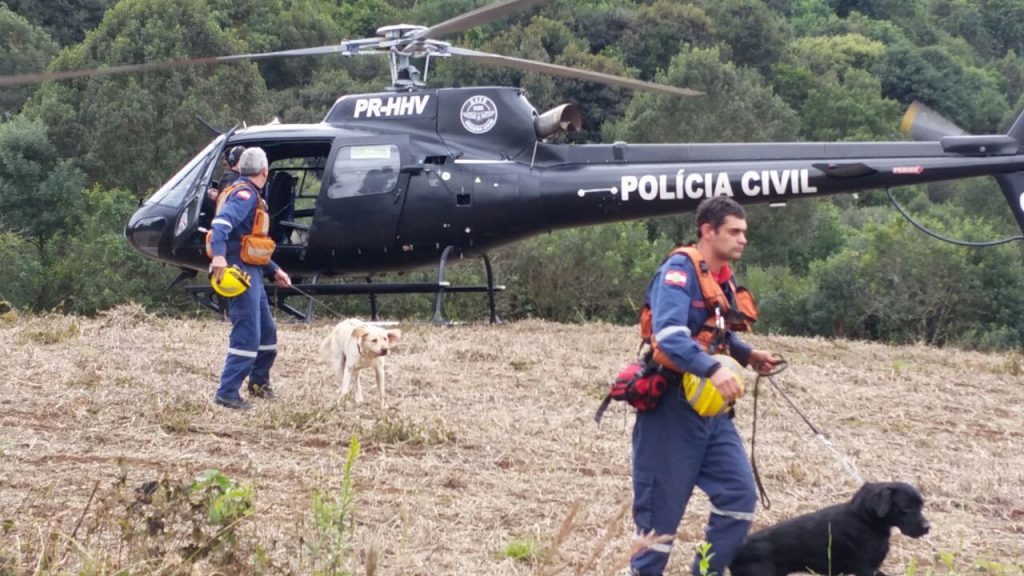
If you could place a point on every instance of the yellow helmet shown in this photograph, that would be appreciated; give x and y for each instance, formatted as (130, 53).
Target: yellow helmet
(702, 394)
(234, 282)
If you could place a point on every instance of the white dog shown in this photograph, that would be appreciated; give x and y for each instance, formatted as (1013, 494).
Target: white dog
(353, 345)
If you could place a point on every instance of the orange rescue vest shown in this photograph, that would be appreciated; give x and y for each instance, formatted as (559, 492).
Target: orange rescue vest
(257, 247)
(725, 314)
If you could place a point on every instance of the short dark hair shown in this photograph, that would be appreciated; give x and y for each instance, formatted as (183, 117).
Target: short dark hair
(715, 210)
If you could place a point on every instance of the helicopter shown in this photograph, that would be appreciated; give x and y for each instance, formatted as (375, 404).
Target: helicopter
(413, 176)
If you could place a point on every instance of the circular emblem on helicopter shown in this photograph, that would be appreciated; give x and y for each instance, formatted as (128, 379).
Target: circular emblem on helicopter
(479, 114)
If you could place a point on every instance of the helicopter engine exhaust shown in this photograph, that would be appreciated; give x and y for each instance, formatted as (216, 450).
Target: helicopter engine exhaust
(564, 118)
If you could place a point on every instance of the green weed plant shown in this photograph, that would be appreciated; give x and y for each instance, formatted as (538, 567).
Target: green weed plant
(704, 562)
(330, 549)
(226, 501)
(521, 549)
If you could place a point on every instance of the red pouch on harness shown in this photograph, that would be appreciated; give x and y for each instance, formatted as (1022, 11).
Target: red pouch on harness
(640, 385)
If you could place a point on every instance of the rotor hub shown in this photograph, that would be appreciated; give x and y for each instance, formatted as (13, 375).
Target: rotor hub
(398, 31)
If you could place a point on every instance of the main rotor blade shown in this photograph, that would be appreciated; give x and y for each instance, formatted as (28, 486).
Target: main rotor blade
(473, 18)
(558, 70)
(38, 77)
(329, 49)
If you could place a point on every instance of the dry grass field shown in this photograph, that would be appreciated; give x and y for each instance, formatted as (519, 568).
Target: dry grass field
(487, 460)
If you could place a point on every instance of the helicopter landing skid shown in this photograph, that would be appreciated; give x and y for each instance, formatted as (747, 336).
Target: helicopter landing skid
(205, 296)
(438, 288)
(443, 287)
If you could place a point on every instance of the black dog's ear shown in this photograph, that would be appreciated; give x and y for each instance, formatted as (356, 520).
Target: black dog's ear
(880, 500)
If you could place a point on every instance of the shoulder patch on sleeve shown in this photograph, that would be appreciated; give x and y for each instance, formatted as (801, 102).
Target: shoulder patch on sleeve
(675, 277)
(244, 194)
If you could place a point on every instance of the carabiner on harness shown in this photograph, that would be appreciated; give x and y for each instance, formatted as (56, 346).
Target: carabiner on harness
(719, 342)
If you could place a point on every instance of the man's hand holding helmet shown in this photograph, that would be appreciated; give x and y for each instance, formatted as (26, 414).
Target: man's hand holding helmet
(233, 282)
(725, 382)
(217, 266)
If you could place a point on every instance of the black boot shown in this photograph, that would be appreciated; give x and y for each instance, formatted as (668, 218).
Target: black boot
(263, 391)
(232, 403)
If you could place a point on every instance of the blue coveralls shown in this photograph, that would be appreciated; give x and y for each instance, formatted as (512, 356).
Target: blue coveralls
(252, 346)
(675, 449)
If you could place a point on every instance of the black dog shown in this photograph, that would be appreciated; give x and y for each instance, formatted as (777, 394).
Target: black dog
(850, 538)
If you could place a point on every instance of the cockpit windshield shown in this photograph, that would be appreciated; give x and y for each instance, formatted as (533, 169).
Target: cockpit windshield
(174, 191)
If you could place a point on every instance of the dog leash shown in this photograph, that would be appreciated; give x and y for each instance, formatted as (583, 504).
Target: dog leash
(843, 461)
(766, 502)
(316, 301)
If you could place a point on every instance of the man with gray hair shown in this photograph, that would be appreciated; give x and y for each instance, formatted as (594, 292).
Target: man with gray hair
(239, 239)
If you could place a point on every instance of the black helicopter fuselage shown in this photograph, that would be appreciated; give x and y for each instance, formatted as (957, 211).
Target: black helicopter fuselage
(387, 181)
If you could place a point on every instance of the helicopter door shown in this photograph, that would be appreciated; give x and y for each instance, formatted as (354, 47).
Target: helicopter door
(361, 201)
(196, 181)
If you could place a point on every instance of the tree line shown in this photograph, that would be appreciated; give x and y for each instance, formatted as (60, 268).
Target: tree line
(77, 157)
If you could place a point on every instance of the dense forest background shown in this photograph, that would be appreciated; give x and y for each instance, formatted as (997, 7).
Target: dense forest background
(77, 157)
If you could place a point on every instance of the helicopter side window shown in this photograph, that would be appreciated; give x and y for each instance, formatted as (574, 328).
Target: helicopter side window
(174, 191)
(292, 188)
(363, 170)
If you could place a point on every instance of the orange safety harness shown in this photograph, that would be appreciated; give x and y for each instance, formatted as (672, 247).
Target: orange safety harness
(643, 382)
(725, 314)
(257, 247)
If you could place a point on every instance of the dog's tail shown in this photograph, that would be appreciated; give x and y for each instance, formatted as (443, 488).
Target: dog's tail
(325, 346)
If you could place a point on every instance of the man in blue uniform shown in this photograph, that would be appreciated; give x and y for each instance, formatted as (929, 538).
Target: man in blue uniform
(674, 448)
(252, 346)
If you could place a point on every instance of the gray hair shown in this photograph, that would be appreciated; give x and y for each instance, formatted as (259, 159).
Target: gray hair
(252, 162)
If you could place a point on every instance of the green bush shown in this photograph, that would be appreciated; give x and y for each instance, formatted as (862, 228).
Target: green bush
(99, 270)
(782, 299)
(599, 272)
(21, 281)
